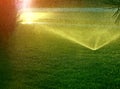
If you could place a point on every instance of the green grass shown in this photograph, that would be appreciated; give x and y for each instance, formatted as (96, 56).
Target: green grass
(37, 58)
(5, 69)
(92, 28)
(43, 60)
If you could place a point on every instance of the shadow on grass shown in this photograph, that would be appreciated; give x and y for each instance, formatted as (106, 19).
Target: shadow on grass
(5, 69)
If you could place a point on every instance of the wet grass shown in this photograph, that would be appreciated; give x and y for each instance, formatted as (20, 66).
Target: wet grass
(37, 58)
(43, 60)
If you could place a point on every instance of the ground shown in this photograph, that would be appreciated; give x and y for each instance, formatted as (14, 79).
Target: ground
(37, 58)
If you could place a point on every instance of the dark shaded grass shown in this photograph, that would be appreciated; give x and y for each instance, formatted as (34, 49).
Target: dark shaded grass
(73, 71)
(5, 70)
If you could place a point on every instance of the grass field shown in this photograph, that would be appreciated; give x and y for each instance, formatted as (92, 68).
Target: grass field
(52, 53)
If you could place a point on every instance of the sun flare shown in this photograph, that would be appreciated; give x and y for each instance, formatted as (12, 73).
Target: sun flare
(33, 17)
(24, 4)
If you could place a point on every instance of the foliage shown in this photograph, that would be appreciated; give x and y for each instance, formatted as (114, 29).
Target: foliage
(115, 4)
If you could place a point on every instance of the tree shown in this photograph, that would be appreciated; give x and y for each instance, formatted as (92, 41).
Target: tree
(8, 14)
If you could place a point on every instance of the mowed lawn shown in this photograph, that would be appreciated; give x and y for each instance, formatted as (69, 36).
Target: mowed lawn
(37, 58)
